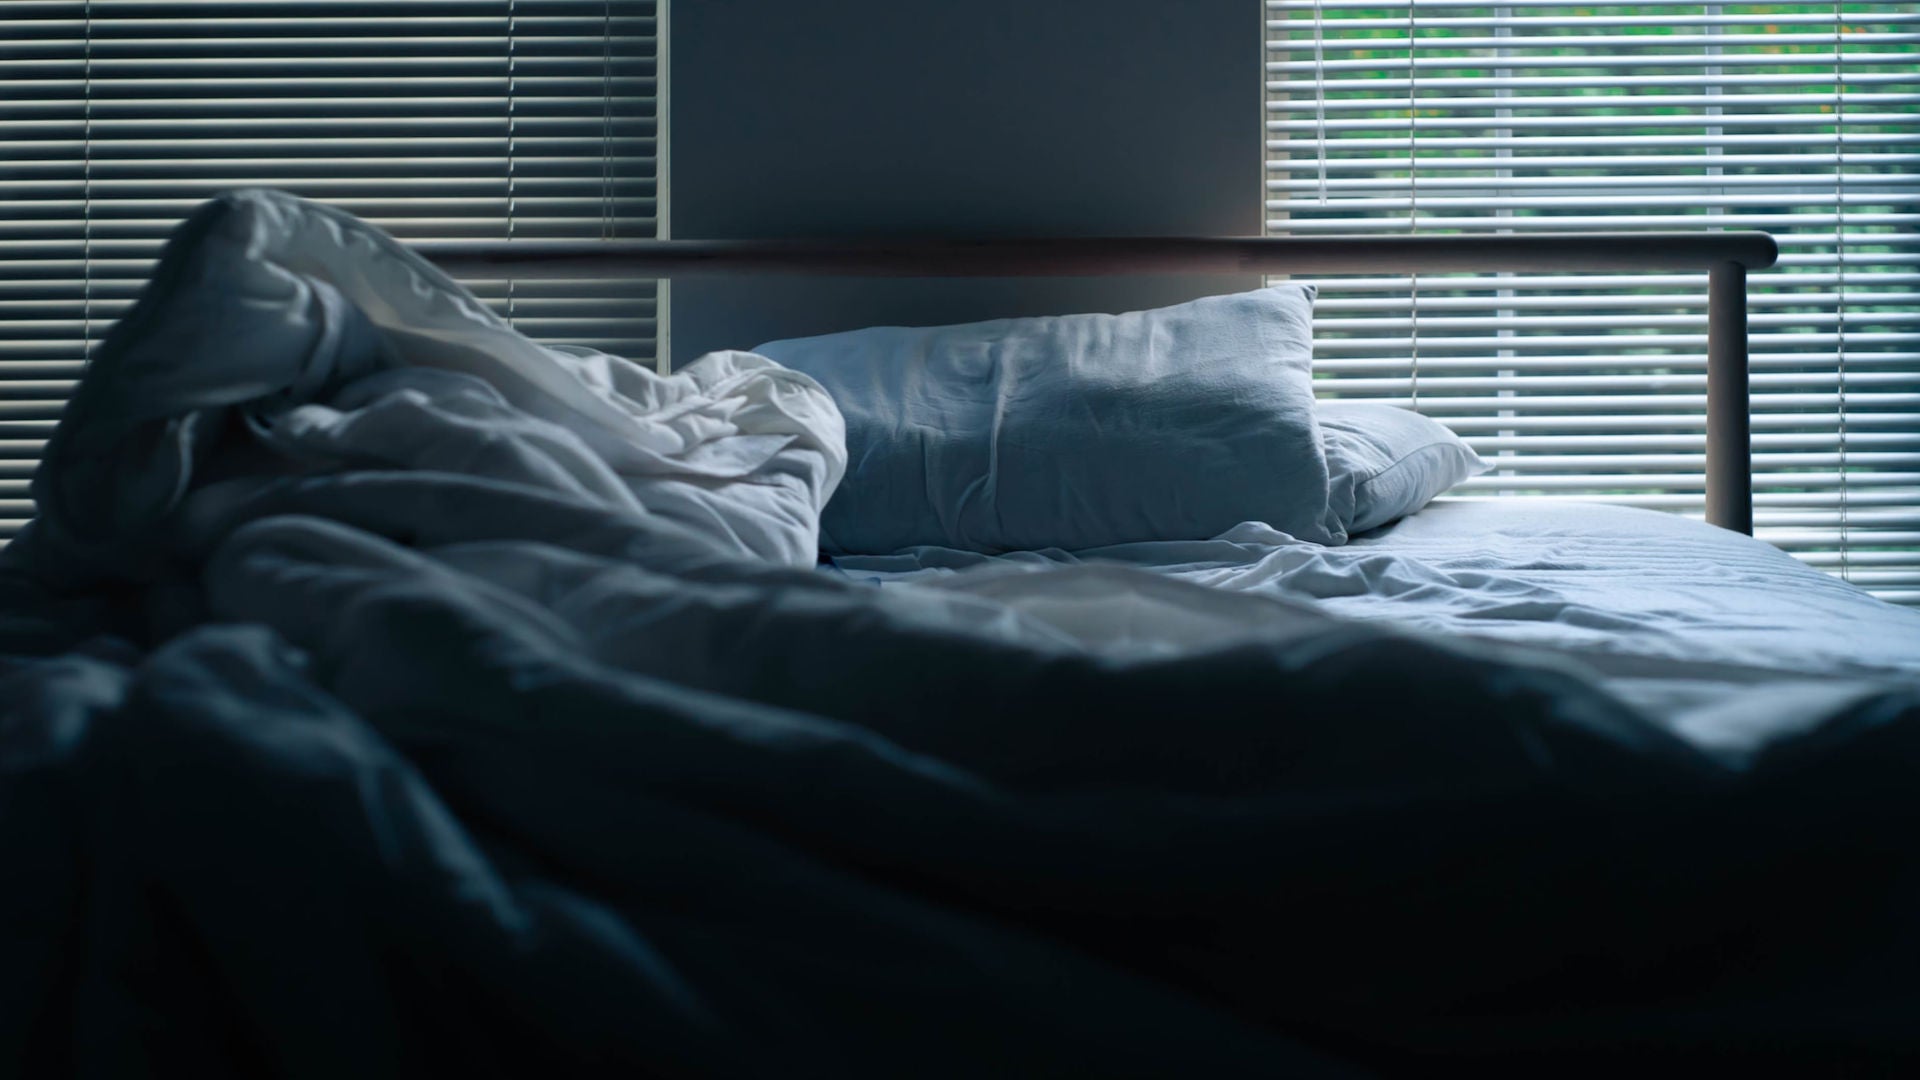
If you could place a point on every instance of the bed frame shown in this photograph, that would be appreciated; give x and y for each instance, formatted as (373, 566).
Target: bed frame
(1725, 256)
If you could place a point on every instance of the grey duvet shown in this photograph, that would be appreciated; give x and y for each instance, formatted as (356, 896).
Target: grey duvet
(521, 738)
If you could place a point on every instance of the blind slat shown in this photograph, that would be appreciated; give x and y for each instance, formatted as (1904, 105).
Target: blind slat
(1443, 115)
(430, 118)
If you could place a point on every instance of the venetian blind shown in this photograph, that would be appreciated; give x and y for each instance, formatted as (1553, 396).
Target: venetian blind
(522, 119)
(1800, 119)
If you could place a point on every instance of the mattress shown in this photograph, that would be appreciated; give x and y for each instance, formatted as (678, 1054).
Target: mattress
(1598, 579)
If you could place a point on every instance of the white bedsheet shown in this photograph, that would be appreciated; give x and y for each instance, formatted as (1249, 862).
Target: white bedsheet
(281, 337)
(1608, 582)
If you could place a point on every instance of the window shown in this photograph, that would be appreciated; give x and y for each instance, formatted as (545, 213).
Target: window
(524, 119)
(1800, 119)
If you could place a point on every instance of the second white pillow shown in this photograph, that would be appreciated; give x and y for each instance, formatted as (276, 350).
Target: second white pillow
(1385, 462)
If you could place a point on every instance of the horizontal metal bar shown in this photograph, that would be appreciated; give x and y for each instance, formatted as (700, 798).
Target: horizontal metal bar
(1100, 256)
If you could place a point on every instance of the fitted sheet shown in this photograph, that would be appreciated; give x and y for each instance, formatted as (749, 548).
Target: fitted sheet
(1605, 581)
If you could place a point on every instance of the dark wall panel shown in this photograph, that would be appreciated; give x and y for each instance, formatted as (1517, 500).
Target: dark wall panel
(888, 117)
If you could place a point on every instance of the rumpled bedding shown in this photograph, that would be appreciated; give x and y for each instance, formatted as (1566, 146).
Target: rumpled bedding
(1600, 581)
(283, 337)
(389, 696)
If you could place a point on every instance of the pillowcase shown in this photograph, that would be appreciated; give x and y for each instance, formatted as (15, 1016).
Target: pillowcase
(1076, 431)
(1385, 462)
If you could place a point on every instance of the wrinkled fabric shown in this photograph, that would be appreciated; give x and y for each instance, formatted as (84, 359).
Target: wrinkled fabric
(1077, 430)
(1605, 582)
(1385, 462)
(453, 759)
(251, 350)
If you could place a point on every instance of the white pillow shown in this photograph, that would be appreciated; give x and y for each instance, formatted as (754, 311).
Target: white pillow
(1385, 462)
(1076, 431)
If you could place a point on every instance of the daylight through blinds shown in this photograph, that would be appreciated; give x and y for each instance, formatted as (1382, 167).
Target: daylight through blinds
(529, 119)
(1800, 119)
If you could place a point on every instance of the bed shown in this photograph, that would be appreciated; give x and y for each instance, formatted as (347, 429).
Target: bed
(383, 693)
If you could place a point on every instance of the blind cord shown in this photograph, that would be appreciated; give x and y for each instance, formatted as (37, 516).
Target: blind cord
(1320, 98)
(606, 120)
(1413, 195)
(1840, 273)
(513, 100)
(86, 183)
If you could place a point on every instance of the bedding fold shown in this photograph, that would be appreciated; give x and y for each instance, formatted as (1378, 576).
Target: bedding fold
(382, 694)
(279, 336)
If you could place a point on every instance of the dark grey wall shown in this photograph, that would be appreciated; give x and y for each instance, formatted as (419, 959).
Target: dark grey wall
(940, 117)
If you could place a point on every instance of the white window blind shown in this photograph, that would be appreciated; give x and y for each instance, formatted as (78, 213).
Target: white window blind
(1801, 119)
(523, 119)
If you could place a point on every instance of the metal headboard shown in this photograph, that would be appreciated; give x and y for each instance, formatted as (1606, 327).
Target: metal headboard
(1725, 256)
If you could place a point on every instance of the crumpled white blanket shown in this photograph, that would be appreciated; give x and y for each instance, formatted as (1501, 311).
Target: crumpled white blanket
(508, 698)
(332, 346)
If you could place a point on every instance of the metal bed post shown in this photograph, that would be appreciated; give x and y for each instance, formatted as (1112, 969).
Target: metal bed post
(1729, 419)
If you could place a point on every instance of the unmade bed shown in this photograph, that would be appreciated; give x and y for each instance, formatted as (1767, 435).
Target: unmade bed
(1607, 579)
(384, 693)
